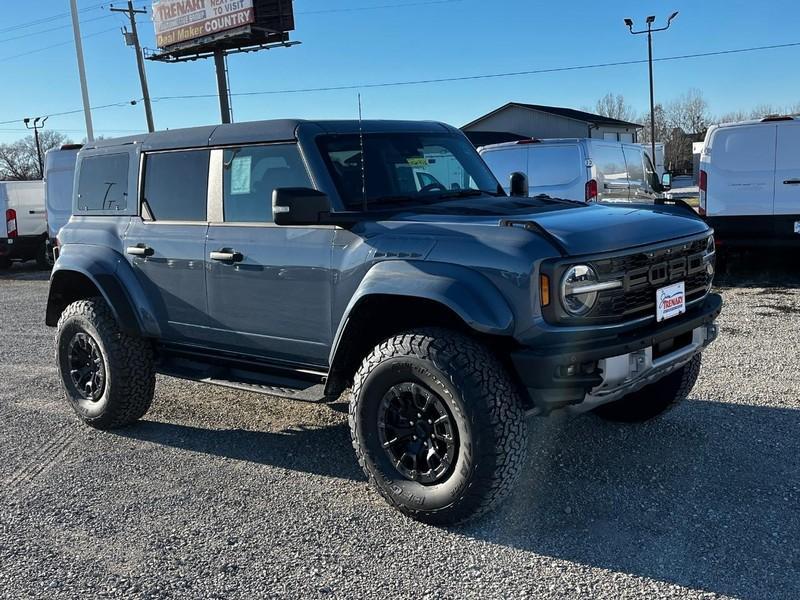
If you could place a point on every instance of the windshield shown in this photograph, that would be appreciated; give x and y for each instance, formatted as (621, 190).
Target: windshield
(405, 168)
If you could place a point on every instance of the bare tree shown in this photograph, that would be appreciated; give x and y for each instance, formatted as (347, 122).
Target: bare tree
(733, 117)
(19, 160)
(615, 107)
(689, 112)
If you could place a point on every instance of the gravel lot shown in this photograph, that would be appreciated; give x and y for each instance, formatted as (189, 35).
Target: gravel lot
(226, 494)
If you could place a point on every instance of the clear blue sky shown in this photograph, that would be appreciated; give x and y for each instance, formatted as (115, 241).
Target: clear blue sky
(417, 41)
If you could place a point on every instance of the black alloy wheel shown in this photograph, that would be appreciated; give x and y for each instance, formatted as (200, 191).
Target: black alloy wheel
(87, 369)
(418, 433)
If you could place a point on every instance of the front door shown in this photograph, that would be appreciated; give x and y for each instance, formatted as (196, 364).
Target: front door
(166, 246)
(269, 287)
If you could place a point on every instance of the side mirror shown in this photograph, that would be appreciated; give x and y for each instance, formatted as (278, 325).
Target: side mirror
(666, 182)
(518, 182)
(299, 206)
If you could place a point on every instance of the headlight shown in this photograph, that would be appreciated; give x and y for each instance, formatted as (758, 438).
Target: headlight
(710, 245)
(579, 289)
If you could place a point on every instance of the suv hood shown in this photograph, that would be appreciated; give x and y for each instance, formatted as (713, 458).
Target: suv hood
(588, 229)
(609, 228)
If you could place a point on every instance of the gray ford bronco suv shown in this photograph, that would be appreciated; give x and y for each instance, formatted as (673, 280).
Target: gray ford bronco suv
(381, 260)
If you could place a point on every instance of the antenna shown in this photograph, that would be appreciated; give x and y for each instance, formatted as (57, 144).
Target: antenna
(363, 168)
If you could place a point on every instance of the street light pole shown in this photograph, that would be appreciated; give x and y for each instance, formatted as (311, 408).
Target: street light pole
(76, 30)
(36, 127)
(650, 31)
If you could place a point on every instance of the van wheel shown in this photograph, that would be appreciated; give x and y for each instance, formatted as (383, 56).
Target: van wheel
(108, 376)
(655, 399)
(437, 425)
(44, 260)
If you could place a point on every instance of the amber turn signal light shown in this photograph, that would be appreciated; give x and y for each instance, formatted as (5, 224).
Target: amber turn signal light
(544, 289)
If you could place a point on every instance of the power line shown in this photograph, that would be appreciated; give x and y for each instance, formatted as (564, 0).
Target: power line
(58, 45)
(487, 75)
(49, 19)
(439, 80)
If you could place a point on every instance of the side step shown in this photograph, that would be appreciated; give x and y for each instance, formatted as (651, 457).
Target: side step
(284, 383)
(313, 393)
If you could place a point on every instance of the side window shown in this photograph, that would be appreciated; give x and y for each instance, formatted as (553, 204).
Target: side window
(176, 185)
(650, 174)
(633, 159)
(611, 163)
(103, 183)
(553, 165)
(250, 174)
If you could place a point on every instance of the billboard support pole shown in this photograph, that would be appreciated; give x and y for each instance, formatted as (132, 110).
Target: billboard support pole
(87, 111)
(222, 86)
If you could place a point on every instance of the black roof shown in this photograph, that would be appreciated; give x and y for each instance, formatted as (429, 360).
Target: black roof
(263, 131)
(569, 113)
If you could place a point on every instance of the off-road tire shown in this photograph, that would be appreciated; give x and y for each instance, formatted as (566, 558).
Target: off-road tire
(484, 405)
(127, 360)
(655, 399)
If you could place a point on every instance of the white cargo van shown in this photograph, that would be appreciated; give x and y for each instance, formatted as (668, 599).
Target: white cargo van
(59, 178)
(590, 170)
(23, 232)
(750, 182)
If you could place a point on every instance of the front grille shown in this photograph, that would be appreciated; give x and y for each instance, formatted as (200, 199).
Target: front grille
(645, 272)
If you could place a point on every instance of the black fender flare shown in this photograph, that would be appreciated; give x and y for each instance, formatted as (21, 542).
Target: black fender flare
(115, 280)
(467, 293)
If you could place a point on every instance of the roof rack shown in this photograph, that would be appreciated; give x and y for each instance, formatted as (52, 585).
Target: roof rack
(769, 118)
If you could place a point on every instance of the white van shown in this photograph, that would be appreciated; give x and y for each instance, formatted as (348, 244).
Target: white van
(590, 170)
(750, 182)
(23, 232)
(59, 178)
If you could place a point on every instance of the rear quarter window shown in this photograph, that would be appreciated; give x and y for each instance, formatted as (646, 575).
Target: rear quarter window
(553, 165)
(744, 149)
(103, 183)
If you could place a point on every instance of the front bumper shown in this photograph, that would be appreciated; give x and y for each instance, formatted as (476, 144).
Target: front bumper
(583, 374)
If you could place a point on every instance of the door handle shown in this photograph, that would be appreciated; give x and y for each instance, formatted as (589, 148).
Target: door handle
(226, 255)
(791, 182)
(140, 250)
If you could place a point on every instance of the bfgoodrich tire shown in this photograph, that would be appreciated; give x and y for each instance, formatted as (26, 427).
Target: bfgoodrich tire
(655, 399)
(108, 377)
(437, 425)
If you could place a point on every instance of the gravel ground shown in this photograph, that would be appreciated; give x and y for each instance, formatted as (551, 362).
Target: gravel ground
(226, 494)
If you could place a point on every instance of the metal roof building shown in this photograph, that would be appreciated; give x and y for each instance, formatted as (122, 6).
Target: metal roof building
(538, 121)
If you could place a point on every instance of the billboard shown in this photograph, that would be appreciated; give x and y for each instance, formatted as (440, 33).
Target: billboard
(179, 21)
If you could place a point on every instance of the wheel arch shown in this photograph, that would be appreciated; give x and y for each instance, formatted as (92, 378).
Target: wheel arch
(82, 273)
(396, 296)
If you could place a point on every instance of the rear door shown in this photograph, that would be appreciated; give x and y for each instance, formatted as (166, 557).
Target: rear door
(27, 199)
(557, 170)
(787, 181)
(741, 174)
(166, 246)
(269, 287)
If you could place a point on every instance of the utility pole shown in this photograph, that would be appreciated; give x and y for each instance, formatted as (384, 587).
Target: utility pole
(650, 31)
(133, 40)
(76, 30)
(36, 127)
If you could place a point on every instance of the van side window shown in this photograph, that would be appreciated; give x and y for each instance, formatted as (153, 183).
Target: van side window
(633, 160)
(250, 174)
(744, 149)
(103, 183)
(650, 174)
(176, 185)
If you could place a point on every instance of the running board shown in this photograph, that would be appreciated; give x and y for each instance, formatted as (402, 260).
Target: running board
(296, 385)
(314, 393)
